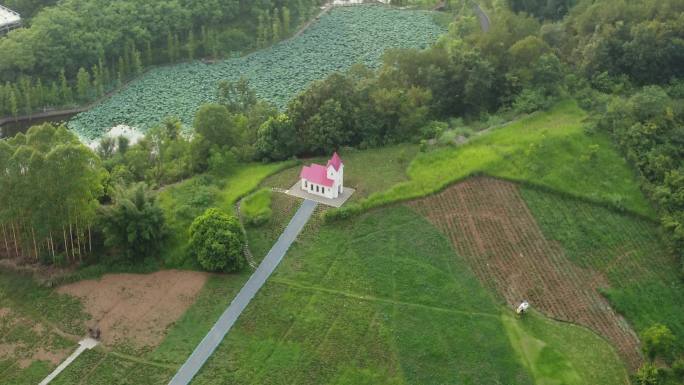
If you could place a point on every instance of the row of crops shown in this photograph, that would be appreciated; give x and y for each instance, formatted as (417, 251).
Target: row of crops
(341, 38)
(489, 225)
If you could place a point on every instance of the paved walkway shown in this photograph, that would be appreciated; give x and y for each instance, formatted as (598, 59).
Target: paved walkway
(84, 345)
(485, 23)
(212, 340)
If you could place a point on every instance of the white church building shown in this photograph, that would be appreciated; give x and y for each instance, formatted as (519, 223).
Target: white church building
(326, 181)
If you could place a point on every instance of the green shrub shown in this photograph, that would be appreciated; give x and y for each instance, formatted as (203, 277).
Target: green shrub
(217, 240)
(433, 129)
(530, 101)
(256, 208)
(647, 374)
(222, 161)
(494, 120)
(451, 136)
(658, 341)
(678, 369)
(133, 226)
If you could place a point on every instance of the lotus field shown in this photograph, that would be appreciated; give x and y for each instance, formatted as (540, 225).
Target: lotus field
(341, 38)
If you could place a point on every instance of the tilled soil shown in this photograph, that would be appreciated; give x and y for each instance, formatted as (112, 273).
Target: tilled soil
(490, 225)
(137, 309)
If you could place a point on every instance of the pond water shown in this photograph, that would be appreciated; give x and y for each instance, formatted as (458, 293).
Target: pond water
(12, 128)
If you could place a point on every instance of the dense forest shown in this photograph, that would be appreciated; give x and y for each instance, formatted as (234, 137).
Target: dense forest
(66, 57)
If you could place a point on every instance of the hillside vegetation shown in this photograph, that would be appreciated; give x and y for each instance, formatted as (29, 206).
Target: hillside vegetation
(183, 202)
(550, 149)
(72, 52)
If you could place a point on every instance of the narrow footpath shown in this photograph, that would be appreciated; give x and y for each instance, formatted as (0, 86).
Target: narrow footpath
(83, 345)
(212, 340)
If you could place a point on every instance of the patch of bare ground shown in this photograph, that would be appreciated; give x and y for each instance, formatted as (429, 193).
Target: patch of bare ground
(490, 225)
(43, 274)
(55, 357)
(137, 309)
(34, 344)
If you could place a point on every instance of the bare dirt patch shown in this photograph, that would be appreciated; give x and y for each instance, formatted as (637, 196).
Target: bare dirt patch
(25, 341)
(55, 357)
(490, 225)
(137, 309)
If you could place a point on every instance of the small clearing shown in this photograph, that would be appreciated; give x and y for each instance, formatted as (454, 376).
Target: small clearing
(490, 225)
(137, 309)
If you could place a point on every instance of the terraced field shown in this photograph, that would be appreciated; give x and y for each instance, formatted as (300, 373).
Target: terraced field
(341, 38)
(489, 223)
(574, 260)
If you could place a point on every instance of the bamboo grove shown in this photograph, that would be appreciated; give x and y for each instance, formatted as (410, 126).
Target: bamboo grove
(49, 190)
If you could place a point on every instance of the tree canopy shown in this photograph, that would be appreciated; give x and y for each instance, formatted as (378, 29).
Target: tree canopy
(217, 241)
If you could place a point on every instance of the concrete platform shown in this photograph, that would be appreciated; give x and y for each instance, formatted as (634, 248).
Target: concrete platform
(297, 191)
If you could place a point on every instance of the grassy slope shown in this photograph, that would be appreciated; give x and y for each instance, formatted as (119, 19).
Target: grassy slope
(545, 346)
(388, 168)
(628, 251)
(545, 149)
(256, 207)
(383, 299)
(183, 202)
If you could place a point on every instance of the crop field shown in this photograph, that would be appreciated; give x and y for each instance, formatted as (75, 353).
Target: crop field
(489, 224)
(550, 149)
(641, 276)
(383, 299)
(341, 38)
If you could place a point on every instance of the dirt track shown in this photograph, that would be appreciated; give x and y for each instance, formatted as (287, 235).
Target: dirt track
(136, 309)
(489, 224)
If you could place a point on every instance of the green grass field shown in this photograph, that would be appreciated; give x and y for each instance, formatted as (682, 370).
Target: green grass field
(96, 367)
(374, 170)
(256, 207)
(370, 171)
(28, 338)
(644, 283)
(550, 149)
(383, 299)
(183, 202)
(544, 347)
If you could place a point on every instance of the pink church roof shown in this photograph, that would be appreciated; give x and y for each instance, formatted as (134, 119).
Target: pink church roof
(316, 173)
(335, 161)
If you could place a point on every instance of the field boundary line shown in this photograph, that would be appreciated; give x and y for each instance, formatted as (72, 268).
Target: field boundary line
(284, 336)
(371, 298)
(4, 371)
(99, 362)
(143, 361)
(357, 208)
